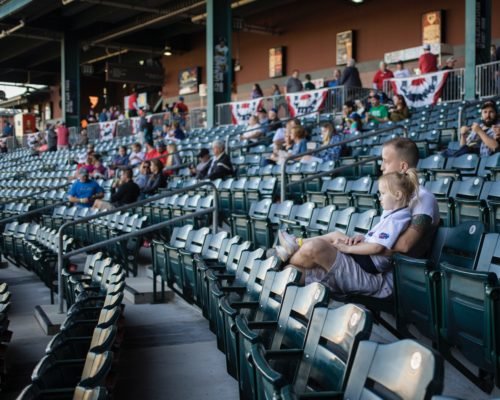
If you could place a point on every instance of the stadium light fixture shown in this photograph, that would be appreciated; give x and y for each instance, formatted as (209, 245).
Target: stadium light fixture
(168, 51)
(358, 1)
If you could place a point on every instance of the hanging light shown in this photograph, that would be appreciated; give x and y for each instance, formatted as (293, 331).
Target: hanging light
(167, 51)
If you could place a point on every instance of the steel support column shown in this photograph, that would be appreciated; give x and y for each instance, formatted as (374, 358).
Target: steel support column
(219, 59)
(477, 41)
(70, 80)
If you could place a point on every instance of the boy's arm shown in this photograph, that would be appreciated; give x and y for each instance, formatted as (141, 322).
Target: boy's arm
(363, 248)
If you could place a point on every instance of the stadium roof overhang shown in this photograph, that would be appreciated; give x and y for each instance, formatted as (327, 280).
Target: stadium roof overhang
(31, 32)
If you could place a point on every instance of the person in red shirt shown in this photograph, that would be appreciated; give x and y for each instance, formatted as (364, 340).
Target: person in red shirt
(161, 150)
(181, 110)
(381, 75)
(132, 105)
(62, 136)
(427, 62)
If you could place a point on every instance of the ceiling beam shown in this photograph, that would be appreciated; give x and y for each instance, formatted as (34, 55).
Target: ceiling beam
(12, 7)
(29, 32)
(142, 23)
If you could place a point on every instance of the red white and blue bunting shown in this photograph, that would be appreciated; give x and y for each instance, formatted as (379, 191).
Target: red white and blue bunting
(241, 111)
(422, 90)
(306, 102)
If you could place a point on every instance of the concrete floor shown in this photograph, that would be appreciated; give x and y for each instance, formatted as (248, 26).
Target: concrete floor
(168, 351)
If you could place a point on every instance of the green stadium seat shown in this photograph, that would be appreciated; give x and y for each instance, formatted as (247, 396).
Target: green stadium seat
(323, 364)
(287, 331)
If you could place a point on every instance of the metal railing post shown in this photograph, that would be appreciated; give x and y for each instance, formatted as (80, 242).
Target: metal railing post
(60, 256)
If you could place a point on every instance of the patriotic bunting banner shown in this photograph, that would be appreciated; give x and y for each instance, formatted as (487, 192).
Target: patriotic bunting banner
(241, 111)
(306, 102)
(107, 130)
(420, 91)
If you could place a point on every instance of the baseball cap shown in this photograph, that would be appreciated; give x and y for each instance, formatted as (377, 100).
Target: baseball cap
(275, 110)
(203, 152)
(83, 171)
(181, 98)
(161, 144)
(427, 46)
(354, 115)
(262, 110)
(451, 59)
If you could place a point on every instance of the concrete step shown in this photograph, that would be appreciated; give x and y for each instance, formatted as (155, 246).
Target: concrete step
(49, 318)
(140, 291)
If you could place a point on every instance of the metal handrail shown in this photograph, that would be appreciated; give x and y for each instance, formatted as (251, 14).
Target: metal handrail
(60, 257)
(342, 142)
(31, 212)
(36, 193)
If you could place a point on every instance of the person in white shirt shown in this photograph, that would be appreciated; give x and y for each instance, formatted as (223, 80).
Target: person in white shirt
(253, 130)
(319, 255)
(137, 155)
(401, 71)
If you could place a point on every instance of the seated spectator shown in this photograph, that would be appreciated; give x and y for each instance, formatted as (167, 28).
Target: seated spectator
(253, 130)
(263, 120)
(143, 176)
(137, 155)
(167, 130)
(220, 166)
(378, 112)
(359, 108)
(121, 159)
(330, 136)
(161, 150)
(299, 140)
(84, 191)
(99, 171)
(309, 85)
(201, 169)
(355, 123)
(156, 180)
(358, 264)
(480, 138)
(257, 91)
(177, 133)
(150, 151)
(401, 71)
(347, 109)
(127, 192)
(400, 111)
(173, 159)
(320, 253)
(274, 122)
(3, 147)
(89, 163)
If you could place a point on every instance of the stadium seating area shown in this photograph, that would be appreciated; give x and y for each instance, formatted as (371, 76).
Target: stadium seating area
(280, 339)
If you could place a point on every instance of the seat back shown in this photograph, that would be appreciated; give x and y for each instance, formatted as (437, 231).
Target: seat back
(332, 339)
(301, 214)
(234, 256)
(273, 291)
(225, 248)
(341, 221)
(96, 368)
(462, 244)
(466, 196)
(400, 370)
(212, 245)
(321, 218)
(361, 223)
(489, 256)
(83, 393)
(295, 314)
(180, 235)
(257, 276)
(280, 210)
(196, 240)
(246, 264)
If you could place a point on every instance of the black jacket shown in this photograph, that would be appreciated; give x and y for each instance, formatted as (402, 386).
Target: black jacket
(350, 77)
(221, 169)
